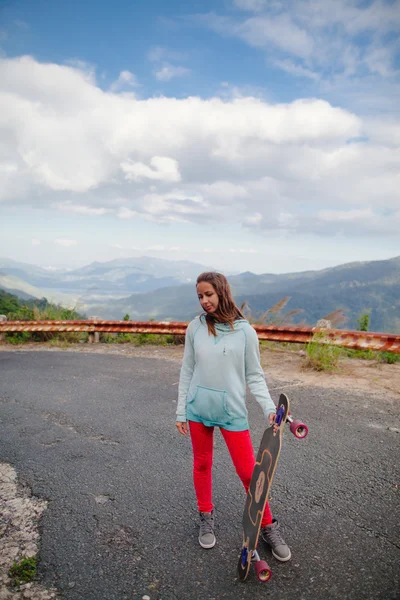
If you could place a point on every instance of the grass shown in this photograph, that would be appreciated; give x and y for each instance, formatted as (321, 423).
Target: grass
(137, 339)
(23, 571)
(321, 355)
(325, 356)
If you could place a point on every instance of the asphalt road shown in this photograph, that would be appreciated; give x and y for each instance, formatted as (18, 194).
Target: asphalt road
(95, 435)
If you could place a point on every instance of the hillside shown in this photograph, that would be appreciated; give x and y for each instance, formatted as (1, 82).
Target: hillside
(116, 278)
(354, 287)
(158, 289)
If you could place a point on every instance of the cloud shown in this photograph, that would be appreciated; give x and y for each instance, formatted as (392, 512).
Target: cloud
(306, 37)
(250, 5)
(125, 79)
(279, 31)
(66, 243)
(125, 213)
(243, 250)
(168, 72)
(158, 54)
(23, 25)
(290, 67)
(67, 145)
(36, 242)
(81, 209)
(162, 169)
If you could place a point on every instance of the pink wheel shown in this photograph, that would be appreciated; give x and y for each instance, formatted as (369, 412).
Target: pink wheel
(299, 429)
(262, 570)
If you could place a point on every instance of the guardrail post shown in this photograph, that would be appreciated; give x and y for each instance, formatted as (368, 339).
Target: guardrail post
(3, 318)
(324, 323)
(94, 336)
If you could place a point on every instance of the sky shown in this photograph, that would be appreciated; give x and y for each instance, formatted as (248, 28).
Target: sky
(250, 135)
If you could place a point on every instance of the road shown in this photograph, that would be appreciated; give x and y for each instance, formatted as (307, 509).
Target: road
(95, 436)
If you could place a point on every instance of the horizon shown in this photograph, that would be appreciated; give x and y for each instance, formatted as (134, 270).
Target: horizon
(250, 135)
(229, 274)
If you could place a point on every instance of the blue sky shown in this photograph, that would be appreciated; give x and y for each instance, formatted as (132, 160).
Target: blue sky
(246, 134)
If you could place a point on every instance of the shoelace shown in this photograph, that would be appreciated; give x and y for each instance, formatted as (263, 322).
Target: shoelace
(274, 537)
(206, 525)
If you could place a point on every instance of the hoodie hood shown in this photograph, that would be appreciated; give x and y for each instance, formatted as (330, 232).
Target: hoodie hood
(223, 329)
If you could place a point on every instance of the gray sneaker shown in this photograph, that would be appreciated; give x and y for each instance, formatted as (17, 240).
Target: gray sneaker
(272, 536)
(206, 535)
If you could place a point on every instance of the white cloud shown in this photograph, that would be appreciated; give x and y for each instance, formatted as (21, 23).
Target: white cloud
(168, 72)
(66, 243)
(36, 242)
(158, 54)
(254, 219)
(125, 79)
(250, 5)
(320, 36)
(244, 250)
(345, 215)
(23, 25)
(126, 213)
(80, 209)
(298, 70)
(262, 31)
(162, 169)
(68, 145)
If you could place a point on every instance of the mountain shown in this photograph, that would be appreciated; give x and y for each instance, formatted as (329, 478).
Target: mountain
(148, 288)
(116, 278)
(354, 287)
(24, 291)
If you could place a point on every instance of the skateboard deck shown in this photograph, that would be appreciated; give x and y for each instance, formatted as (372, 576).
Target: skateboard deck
(264, 470)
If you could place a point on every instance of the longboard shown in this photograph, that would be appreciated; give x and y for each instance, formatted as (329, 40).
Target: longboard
(263, 474)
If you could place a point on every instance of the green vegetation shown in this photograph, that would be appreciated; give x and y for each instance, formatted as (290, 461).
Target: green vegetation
(23, 571)
(389, 357)
(37, 310)
(321, 354)
(363, 322)
(137, 339)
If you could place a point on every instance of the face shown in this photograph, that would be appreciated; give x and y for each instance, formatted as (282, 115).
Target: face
(208, 297)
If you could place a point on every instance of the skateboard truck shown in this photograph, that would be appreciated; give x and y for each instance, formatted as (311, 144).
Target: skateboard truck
(297, 427)
(261, 567)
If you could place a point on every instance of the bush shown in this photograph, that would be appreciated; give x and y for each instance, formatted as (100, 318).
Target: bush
(389, 357)
(363, 322)
(42, 310)
(321, 354)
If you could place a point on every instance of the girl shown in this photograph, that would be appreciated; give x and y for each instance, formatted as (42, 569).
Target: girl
(222, 355)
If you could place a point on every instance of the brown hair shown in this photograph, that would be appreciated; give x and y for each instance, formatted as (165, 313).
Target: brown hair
(227, 311)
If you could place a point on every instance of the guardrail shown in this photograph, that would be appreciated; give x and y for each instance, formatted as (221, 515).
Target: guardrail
(358, 340)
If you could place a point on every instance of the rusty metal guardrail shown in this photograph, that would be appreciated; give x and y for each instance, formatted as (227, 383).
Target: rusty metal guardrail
(358, 340)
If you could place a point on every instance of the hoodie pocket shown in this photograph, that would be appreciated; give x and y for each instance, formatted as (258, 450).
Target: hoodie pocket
(210, 404)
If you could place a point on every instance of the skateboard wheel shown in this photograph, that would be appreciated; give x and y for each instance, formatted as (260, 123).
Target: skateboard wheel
(299, 429)
(262, 570)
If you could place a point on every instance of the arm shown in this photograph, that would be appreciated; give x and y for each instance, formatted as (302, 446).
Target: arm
(186, 375)
(255, 378)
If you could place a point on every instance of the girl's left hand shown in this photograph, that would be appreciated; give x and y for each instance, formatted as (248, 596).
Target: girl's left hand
(271, 419)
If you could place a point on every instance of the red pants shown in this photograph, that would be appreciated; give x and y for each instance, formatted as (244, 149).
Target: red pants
(241, 450)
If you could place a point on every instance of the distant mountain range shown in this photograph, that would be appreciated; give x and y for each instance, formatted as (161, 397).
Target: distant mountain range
(154, 288)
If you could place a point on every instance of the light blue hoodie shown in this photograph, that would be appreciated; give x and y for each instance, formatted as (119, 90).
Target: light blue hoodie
(214, 373)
